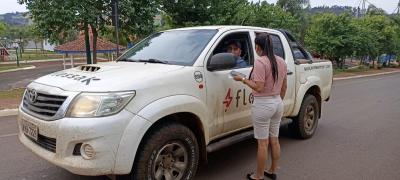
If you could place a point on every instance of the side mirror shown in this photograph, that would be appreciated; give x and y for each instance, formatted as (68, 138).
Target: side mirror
(222, 61)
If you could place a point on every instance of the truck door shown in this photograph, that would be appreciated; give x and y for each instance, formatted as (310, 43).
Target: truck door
(229, 98)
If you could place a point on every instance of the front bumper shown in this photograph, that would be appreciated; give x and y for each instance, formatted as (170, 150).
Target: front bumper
(103, 134)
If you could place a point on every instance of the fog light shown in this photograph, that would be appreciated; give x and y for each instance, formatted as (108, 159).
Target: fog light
(87, 151)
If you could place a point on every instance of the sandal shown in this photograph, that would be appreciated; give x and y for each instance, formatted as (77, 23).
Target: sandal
(270, 175)
(250, 177)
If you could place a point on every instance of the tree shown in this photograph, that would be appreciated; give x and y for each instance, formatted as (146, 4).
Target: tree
(364, 41)
(2, 29)
(266, 15)
(34, 36)
(300, 9)
(54, 18)
(227, 13)
(373, 10)
(396, 23)
(293, 6)
(17, 33)
(331, 36)
(384, 33)
(186, 12)
(202, 12)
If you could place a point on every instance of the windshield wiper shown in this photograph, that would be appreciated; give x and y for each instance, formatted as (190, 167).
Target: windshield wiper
(144, 60)
(153, 61)
(126, 59)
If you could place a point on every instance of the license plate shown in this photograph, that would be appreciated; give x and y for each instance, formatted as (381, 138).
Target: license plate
(30, 129)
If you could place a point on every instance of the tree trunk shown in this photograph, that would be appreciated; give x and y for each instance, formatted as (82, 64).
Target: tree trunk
(87, 44)
(35, 47)
(94, 40)
(362, 60)
(342, 62)
(373, 63)
(337, 62)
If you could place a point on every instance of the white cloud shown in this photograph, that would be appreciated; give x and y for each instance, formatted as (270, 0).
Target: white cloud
(8, 6)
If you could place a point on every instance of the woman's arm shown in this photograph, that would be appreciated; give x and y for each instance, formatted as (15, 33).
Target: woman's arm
(255, 85)
(284, 87)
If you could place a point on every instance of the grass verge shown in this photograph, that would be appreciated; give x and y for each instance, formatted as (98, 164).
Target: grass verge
(14, 93)
(9, 67)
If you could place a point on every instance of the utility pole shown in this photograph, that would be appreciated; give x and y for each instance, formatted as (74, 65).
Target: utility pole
(398, 8)
(363, 8)
(116, 24)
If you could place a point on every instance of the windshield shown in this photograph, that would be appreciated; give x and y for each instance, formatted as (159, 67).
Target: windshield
(180, 47)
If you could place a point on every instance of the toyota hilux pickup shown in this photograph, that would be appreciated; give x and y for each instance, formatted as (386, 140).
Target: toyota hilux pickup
(156, 111)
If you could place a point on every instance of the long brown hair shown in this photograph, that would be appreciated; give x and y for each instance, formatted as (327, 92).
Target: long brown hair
(265, 42)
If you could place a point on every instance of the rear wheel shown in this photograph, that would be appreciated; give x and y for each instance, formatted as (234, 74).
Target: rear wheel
(305, 124)
(170, 152)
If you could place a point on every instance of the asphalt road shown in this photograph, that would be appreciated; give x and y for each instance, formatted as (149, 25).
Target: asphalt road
(19, 79)
(358, 137)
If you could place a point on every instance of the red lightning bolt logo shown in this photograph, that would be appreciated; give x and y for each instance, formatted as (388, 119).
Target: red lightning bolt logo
(228, 99)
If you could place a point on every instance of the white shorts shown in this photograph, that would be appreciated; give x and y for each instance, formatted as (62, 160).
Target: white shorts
(266, 115)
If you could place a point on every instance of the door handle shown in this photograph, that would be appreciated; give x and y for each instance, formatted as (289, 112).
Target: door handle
(289, 73)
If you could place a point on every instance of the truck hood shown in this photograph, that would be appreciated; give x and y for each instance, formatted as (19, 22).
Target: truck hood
(105, 77)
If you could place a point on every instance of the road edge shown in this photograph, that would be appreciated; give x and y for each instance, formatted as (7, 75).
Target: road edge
(8, 112)
(368, 75)
(18, 69)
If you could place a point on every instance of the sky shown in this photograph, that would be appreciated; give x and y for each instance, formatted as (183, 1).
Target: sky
(389, 6)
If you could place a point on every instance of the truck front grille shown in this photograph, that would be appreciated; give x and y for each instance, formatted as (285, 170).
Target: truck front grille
(45, 142)
(43, 104)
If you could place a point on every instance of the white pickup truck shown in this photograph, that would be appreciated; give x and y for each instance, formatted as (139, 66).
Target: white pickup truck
(156, 111)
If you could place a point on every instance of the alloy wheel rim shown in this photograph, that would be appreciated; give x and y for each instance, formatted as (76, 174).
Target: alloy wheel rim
(171, 162)
(309, 118)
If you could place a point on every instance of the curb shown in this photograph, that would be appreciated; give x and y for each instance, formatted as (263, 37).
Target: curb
(48, 60)
(18, 69)
(8, 112)
(39, 61)
(368, 75)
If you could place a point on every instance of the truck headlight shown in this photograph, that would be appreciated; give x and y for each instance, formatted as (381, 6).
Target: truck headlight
(99, 104)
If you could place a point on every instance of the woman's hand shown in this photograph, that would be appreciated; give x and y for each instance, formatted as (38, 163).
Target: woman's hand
(238, 78)
(257, 86)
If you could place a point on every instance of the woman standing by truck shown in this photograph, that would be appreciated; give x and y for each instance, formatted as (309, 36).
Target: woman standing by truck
(268, 82)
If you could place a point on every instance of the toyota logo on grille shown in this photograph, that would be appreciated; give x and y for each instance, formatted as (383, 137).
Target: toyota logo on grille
(32, 95)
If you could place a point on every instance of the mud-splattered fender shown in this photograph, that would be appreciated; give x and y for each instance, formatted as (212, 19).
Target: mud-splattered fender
(303, 88)
(129, 143)
(149, 115)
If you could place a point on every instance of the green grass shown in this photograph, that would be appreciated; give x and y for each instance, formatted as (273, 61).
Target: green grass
(33, 55)
(9, 67)
(41, 56)
(10, 94)
(354, 70)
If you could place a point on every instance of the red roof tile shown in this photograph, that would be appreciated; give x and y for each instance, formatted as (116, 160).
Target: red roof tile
(78, 45)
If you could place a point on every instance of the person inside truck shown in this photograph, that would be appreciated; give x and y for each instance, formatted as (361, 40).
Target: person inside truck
(235, 48)
(268, 81)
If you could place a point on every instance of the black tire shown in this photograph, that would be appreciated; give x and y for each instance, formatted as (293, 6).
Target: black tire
(163, 150)
(305, 124)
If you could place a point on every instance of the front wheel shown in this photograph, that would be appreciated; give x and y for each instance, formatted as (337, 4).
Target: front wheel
(170, 152)
(305, 124)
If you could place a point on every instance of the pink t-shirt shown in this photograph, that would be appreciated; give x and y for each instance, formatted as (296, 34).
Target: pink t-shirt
(262, 72)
